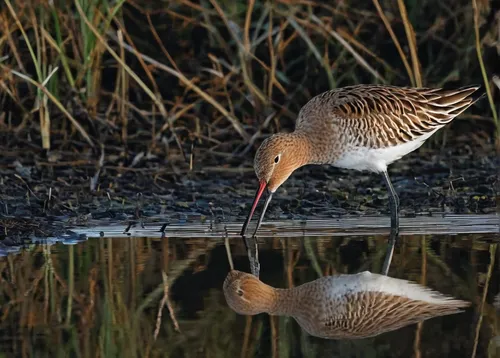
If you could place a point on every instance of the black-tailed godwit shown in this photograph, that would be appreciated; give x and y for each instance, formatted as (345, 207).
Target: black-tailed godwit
(362, 127)
(345, 306)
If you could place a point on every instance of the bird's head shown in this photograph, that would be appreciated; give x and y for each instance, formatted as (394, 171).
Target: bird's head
(276, 159)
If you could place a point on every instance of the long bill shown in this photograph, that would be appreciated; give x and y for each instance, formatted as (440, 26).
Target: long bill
(260, 190)
(266, 204)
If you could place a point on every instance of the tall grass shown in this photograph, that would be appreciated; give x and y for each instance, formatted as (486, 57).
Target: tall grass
(142, 75)
(487, 79)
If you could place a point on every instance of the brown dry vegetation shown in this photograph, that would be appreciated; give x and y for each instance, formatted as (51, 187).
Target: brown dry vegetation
(130, 77)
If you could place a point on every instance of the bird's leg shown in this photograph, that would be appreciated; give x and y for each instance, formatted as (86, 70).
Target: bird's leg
(388, 254)
(393, 205)
(394, 208)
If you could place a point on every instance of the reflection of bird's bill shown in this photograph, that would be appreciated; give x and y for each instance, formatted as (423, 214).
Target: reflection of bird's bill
(253, 257)
(252, 248)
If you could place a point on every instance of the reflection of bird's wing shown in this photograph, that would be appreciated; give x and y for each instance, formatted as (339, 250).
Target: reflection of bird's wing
(368, 314)
(384, 116)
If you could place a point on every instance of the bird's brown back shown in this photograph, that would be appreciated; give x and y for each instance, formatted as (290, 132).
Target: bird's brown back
(379, 116)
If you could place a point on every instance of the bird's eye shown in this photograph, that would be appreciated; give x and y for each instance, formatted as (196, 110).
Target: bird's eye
(239, 292)
(277, 159)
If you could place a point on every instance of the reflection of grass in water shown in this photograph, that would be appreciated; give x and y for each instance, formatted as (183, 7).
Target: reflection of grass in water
(117, 286)
(311, 255)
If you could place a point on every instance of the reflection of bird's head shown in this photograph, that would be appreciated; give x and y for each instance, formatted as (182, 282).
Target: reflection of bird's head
(246, 294)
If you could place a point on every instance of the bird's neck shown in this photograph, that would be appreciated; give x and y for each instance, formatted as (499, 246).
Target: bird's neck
(310, 152)
(304, 151)
(286, 302)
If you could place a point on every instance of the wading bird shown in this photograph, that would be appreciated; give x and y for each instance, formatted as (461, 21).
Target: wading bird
(362, 127)
(344, 306)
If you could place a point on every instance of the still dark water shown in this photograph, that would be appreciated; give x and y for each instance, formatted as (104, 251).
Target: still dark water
(101, 297)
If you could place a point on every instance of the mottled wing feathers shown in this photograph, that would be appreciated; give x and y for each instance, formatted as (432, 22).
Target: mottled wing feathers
(367, 314)
(388, 115)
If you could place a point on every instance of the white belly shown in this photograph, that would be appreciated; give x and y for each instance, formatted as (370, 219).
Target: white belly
(377, 160)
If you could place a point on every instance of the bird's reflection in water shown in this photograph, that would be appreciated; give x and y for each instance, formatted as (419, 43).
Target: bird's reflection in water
(345, 306)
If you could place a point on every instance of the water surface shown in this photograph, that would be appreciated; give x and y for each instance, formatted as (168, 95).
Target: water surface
(101, 296)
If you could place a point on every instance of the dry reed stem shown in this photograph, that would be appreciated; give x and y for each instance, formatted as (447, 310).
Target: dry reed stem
(165, 301)
(417, 343)
(243, 53)
(10, 41)
(349, 48)
(493, 249)
(350, 38)
(144, 66)
(52, 42)
(412, 43)
(483, 69)
(246, 336)
(272, 57)
(228, 253)
(274, 336)
(26, 38)
(194, 6)
(395, 40)
(42, 88)
(307, 39)
(123, 84)
(248, 20)
(160, 43)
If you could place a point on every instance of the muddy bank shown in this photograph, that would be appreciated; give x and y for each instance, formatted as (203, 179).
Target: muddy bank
(460, 178)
